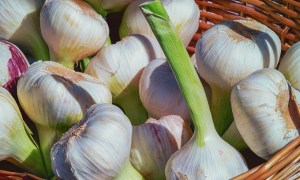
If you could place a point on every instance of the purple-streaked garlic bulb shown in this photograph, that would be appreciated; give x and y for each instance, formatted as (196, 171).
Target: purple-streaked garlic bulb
(13, 65)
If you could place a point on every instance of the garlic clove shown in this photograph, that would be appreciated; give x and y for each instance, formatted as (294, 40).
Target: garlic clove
(104, 7)
(215, 160)
(226, 54)
(183, 13)
(17, 145)
(154, 142)
(72, 29)
(55, 98)
(97, 147)
(159, 91)
(119, 67)
(13, 65)
(19, 24)
(290, 64)
(265, 109)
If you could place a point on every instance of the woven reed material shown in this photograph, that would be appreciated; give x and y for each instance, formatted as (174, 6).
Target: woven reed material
(282, 16)
(283, 165)
(7, 175)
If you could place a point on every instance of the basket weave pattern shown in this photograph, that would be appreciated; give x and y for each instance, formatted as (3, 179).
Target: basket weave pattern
(283, 17)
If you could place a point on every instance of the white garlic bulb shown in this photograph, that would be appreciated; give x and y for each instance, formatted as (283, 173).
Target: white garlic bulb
(16, 142)
(215, 160)
(265, 110)
(97, 147)
(19, 24)
(13, 64)
(227, 53)
(290, 64)
(72, 29)
(154, 142)
(55, 98)
(183, 13)
(159, 91)
(108, 6)
(119, 66)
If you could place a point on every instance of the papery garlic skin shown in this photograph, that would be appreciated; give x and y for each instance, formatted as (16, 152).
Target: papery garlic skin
(265, 110)
(159, 91)
(154, 142)
(227, 53)
(95, 148)
(119, 67)
(13, 65)
(290, 64)
(230, 45)
(16, 142)
(183, 13)
(55, 98)
(108, 6)
(72, 29)
(50, 93)
(215, 160)
(19, 24)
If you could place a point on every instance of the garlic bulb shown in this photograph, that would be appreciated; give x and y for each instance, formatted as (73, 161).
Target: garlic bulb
(183, 13)
(227, 53)
(206, 155)
(108, 6)
(19, 24)
(290, 64)
(97, 147)
(159, 91)
(265, 108)
(55, 98)
(119, 66)
(72, 29)
(16, 142)
(154, 142)
(215, 160)
(13, 64)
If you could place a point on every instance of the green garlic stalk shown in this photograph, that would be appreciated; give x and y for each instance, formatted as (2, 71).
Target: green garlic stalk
(104, 7)
(206, 151)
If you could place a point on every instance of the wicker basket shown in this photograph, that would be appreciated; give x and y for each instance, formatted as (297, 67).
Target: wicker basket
(283, 17)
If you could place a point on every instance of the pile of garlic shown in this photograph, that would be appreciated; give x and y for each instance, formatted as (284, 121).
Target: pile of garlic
(136, 108)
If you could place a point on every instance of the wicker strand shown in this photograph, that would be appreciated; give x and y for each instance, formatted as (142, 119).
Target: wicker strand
(6, 175)
(286, 155)
(285, 171)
